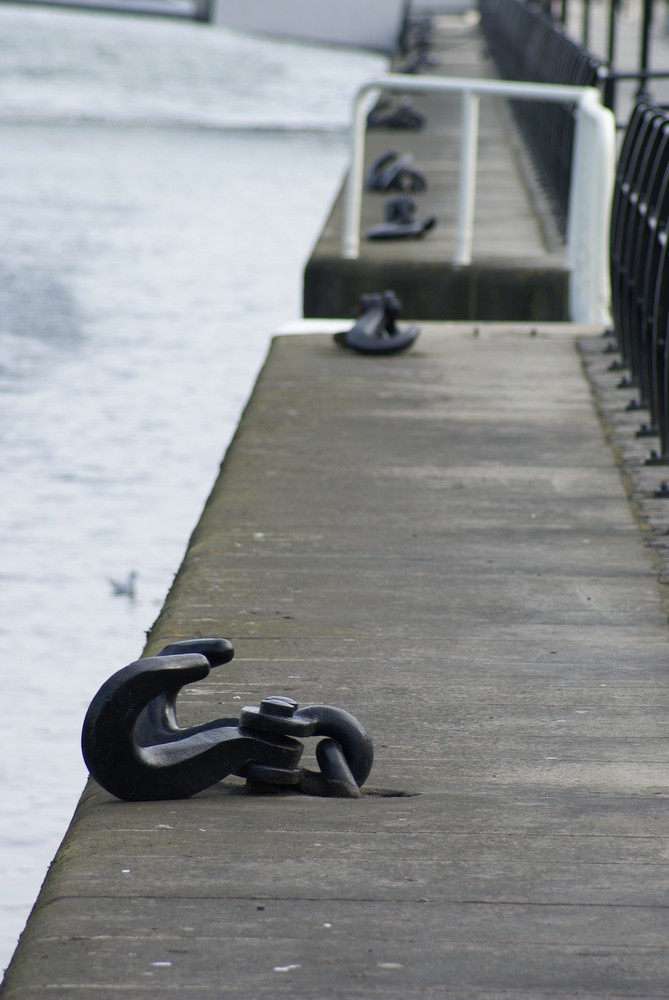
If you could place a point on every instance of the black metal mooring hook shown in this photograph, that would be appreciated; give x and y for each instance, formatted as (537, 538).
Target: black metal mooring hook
(132, 742)
(376, 330)
(134, 747)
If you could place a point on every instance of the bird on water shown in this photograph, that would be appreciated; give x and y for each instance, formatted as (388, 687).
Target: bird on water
(124, 588)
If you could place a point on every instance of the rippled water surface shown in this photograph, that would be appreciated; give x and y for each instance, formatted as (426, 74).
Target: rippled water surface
(162, 185)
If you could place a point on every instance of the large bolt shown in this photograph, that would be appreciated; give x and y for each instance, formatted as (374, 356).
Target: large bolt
(275, 714)
(277, 705)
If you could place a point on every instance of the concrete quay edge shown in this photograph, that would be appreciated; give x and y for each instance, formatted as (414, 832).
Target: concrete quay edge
(440, 542)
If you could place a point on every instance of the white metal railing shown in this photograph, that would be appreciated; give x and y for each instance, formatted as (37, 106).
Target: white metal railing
(593, 168)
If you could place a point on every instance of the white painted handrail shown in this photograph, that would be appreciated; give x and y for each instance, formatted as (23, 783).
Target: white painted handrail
(593, 167)
(589, 219)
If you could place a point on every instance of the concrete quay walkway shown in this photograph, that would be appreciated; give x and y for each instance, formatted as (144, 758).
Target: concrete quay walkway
(441, 543)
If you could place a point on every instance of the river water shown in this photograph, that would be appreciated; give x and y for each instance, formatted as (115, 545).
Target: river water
(161, 186)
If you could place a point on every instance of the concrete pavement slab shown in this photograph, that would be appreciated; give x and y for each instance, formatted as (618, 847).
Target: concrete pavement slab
(440, 542)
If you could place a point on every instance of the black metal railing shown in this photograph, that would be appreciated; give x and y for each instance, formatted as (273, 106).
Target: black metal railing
(639, 261)
(526, 45)
(500, 21)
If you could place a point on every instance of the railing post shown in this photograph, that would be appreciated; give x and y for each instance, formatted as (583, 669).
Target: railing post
(585, 31)
(353, 203)
(467, 193)
(645, 34)
(613, 16)
(589, 211)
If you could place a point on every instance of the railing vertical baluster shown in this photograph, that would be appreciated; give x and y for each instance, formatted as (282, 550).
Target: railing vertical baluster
(353, 203)
(613, 17)
(585, 28)
(467, 192)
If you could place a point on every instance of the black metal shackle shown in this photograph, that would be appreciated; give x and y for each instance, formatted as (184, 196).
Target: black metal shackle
(345, 756)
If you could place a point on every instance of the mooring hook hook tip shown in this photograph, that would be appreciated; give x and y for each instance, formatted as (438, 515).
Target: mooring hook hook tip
(217, 650)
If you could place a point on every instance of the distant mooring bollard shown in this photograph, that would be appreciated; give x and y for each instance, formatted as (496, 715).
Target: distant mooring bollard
(376, 330)
(134, 747)
(400, 221)
(390, 172)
